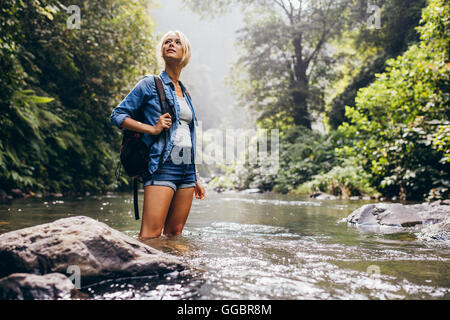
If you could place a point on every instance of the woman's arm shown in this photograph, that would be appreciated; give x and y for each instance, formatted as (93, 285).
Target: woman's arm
(199, 191)
(164, 122)
(122, 115)
(129, 106)
(137, 126)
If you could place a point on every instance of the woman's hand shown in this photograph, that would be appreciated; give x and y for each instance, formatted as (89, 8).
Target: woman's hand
(199, 190)
(164, 122)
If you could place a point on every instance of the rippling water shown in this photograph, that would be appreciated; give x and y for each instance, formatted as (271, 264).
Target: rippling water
(261, 246)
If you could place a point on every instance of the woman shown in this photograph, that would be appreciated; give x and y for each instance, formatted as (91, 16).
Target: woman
(169, 188)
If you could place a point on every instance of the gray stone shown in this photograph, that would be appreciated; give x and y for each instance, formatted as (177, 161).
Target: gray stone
(17, 193)
(26, 286)
(218, 189)
(322, 196)
(437, 231)
(56, 195)
(252, 190)
(98, 250)
(365, 215)
(407, 217)
(398, 215)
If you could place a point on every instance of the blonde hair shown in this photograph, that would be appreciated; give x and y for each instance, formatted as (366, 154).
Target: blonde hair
(184, 42)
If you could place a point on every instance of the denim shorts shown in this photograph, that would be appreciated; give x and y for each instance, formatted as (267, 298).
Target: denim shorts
(173, 173)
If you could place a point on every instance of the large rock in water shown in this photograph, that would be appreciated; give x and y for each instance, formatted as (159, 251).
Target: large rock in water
(26, 286)
(437, 231)
(98, 251)
(416, 216)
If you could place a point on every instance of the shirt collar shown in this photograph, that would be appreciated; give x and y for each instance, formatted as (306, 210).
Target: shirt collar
(166, 79)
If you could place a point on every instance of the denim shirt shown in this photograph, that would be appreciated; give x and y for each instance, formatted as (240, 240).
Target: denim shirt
(145, 95)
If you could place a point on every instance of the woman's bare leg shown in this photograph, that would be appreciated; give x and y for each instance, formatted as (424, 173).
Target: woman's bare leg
(178, 211)
(156, 205)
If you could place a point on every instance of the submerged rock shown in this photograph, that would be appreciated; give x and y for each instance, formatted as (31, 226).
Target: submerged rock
(26, 286)
(99, 251)
(407, 217)
(17, 193)
(323, 196)
(251, 190)
(218, 189)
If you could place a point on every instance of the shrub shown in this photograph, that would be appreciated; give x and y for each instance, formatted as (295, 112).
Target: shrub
(400, 123)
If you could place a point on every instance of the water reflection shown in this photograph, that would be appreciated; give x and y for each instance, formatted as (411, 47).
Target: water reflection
(176, 245)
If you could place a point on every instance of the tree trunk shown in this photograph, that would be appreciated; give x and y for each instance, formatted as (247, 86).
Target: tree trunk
(301, 113)
(299, 86)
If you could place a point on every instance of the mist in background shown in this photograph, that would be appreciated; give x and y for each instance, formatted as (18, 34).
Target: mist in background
(213, 52)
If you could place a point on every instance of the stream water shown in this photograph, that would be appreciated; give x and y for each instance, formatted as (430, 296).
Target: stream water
(261, 246)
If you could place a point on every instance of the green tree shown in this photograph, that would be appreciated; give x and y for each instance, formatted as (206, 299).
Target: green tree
(283, 62)
(400, 123)
(362, 51)
(64, 142)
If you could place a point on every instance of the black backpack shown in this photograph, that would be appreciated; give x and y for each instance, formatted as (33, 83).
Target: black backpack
(134, 152)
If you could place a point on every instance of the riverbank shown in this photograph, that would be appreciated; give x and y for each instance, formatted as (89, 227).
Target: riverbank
(19, 194)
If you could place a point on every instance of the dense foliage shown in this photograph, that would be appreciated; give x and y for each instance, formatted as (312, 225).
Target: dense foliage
(58, 86)
(400, 123)
(362, 51)
(396, 142)
(303, 154)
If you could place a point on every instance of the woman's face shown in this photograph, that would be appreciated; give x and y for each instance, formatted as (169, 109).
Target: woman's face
(172, 49)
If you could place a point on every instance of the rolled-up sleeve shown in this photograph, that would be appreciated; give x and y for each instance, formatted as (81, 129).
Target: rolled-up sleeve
(128, 107)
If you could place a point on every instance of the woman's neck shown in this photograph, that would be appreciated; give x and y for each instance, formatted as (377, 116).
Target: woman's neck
(174, 73)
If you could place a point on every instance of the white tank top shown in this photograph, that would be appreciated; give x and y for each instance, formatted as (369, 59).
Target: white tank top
(183, 134)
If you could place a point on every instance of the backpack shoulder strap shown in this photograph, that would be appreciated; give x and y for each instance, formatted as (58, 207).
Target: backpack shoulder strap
(135, 198)
(160, 87)
(164, 103)
(165, 109)
(161, 93)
